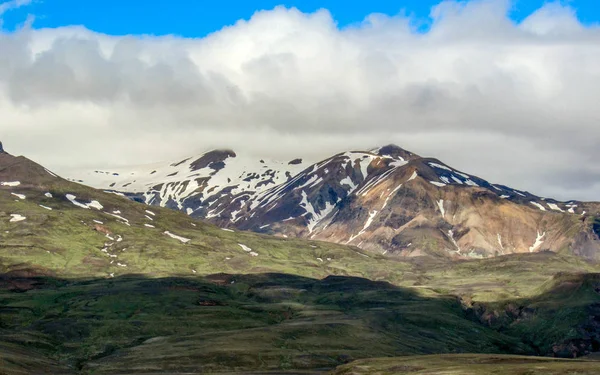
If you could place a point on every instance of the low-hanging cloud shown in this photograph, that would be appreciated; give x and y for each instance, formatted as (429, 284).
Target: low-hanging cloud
(512, 103)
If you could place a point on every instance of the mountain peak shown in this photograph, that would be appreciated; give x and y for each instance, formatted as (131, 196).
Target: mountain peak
(214, 159)
(395, 152)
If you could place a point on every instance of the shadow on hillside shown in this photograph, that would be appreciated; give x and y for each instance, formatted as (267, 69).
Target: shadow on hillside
(562, 320)
(223, 322)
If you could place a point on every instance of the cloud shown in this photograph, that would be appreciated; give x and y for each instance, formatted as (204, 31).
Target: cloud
(513, 103)
(14, 4)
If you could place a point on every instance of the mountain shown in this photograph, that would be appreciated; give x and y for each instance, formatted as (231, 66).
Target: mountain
(54, 226)
(386, 200)
(93, 282)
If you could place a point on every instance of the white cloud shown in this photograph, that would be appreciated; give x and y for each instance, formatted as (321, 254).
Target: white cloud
(513, 103)
(13, 4)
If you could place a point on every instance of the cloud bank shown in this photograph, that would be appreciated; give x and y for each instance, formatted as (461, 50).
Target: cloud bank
(513, 103)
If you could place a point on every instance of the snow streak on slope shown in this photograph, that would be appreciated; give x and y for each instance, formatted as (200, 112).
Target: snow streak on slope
(538, 242)
(367, 225)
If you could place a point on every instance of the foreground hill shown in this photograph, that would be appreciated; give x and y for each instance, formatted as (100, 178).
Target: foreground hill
(259, 323)
(135, 325)
(469, 364)
(387, 201)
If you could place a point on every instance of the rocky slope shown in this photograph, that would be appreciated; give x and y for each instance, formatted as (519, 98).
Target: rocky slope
(386, 200)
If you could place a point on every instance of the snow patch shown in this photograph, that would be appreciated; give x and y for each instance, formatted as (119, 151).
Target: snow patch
(20, 196)
(439, 184)
(554, 207)
(182, 239)
(451, 236)
(538, 242)
(94, 204)
(315, 217)
(436, 165)
(456, 179)
(571, 208)
(16, 218)
(45, 207)
(73, 200)
(10, 184)
(115, 193)
(48, 195)
(245, 248)
(124, 221)
(348, 181)
(440, 204)
(149, 225)
(538, 205)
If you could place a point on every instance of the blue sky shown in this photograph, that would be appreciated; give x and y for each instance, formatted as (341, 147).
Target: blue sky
(197, 18)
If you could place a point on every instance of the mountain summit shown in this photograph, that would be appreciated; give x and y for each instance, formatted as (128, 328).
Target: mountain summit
(394, 151)
(385, 200)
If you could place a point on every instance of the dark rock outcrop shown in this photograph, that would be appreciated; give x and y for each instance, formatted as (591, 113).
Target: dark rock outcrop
(213, 159)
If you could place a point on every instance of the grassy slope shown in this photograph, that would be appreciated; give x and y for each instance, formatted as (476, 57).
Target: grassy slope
(63, 241)
(494, 279)
(470, 364)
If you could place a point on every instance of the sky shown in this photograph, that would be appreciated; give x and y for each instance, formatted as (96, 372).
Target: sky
(506, 90)
(198, 18)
